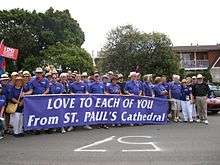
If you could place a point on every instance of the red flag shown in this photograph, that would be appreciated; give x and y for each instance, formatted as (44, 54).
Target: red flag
(8, 52)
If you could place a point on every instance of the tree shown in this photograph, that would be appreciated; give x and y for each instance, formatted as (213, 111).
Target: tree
(32, 32)
(68, 57)
(127, 49)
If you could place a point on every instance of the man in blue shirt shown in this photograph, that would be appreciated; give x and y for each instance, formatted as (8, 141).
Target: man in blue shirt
(39, 85)
(55, 87)
(175, 94)
(81, 88)
(133, 87)
(97, 87)
(113, 87)
(78, 86)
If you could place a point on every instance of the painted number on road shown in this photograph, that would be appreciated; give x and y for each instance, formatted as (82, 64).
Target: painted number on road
(123, 140)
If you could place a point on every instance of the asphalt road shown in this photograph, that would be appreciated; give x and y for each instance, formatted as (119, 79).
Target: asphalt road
(182, 144)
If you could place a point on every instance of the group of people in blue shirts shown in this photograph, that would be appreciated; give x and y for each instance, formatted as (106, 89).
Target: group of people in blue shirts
(23, 83)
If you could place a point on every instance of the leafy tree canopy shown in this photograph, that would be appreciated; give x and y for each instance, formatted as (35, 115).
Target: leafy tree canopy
(128, 49)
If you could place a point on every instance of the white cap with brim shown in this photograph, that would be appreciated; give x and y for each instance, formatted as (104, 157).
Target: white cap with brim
(199, 76)
(84, 74)
(110, 72)
(26, 73)
(4, 77)
(39, 70)
(132, 74)
(14, 74)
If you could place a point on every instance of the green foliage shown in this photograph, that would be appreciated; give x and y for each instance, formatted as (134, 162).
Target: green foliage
(32, 32)
(68, 57)
(127, 49)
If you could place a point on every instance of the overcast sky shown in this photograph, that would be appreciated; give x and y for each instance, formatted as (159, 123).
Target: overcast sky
(184, 21)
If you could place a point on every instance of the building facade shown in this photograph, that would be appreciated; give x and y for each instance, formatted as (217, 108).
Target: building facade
(200, 57)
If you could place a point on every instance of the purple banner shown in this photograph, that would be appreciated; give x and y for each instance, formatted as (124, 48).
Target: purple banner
(56, 111)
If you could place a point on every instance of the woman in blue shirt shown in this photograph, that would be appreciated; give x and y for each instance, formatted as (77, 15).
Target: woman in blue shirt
(16, 97)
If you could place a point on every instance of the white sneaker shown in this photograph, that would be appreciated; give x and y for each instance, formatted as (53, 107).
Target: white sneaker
(63, 130)
(1, 137)
(198, 121)
(70, 129)
(206, 122)
(87, 127)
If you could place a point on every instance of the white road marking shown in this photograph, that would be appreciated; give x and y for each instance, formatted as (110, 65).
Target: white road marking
(82, 149)
(156, 148)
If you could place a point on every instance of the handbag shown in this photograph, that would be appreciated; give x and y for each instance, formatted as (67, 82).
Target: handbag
(12, 107)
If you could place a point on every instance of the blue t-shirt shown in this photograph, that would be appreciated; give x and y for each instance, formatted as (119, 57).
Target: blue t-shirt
(39, 86)
(148, 89)
(78, 87)
(166, 85)
(133, 87)
(6, 91)
(97, 88)
(186, 91)
(158, 90)
(175, 89)
(27, 86)
(56, 88)
(113, 89)
(2, 101)
(15, 93)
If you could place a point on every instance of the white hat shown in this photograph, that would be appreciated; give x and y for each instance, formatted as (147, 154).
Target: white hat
(199, 76)
(39, 70)
(4, 77)
(193, 77)
(110, 72)
(132, 74)
(84, 74)
(63, 75)
(26, 73)
(14, 74)
(105, 76)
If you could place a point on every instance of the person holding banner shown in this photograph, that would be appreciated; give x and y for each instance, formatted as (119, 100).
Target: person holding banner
(64, 81)
(97, 87)
(17, 118)
(148, 86)
(113, 87)
(159, 89)
(79, 87)
(56, 88)
(133, 87)
(40, 84)
(27, 81)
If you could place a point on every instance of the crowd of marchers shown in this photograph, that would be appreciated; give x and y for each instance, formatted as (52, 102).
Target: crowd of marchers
(187, 95)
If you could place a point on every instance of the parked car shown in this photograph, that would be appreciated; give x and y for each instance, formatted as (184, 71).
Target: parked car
(213, 101)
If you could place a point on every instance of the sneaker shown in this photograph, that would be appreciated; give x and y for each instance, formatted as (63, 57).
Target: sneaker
(206, 122)
(1, 137)
(191, 121)
(198, 121)
(63, 130)
(175, 120)
(70, 129)
(105, 126)
(87, 127)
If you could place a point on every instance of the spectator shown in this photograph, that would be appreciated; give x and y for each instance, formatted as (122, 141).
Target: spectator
(200, 93)
(2, 109)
